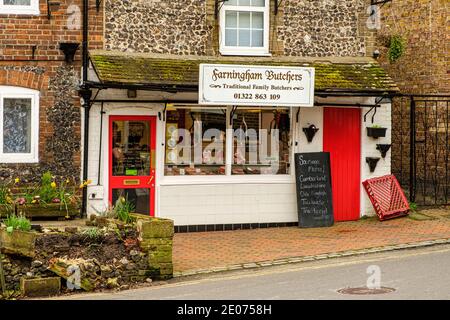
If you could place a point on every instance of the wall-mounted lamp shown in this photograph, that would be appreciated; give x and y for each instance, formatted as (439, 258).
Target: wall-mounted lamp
(376, 54)
(69, 49)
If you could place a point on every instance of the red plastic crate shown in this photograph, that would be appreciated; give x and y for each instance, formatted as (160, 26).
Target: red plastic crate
(387, 197)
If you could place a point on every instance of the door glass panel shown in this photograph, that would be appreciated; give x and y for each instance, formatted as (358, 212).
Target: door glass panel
(131, 148)
(139, 198)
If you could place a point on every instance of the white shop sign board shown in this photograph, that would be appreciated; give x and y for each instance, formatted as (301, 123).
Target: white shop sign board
(241, 85)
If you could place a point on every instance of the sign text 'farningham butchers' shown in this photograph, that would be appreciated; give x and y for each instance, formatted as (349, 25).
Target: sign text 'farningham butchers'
(246, 85)
(248, 75)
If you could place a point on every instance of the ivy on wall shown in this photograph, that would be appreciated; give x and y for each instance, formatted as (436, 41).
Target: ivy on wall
(397, 47)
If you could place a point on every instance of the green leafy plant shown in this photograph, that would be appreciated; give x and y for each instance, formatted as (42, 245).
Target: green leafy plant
(14, 222)
(123, 208)
(375, 126)
(47, 189)
(413, 206)
(93, 234)
(397, 47)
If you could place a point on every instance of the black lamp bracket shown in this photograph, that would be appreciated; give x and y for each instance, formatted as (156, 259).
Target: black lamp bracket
(377, 2)
(218, 7)
(277, 5)
(97, 4)
(49, 13)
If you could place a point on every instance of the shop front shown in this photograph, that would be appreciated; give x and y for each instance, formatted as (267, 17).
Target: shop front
(211, 160)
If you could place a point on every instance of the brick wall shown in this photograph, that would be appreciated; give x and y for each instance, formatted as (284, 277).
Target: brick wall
(57, 81)
(424, 24)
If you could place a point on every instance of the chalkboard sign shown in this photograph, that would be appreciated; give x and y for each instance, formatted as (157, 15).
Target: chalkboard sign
(314, 197)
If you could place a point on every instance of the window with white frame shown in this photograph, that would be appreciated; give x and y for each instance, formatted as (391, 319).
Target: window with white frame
(201, 141)
(19, 125)
(19, 7)
(244, 27)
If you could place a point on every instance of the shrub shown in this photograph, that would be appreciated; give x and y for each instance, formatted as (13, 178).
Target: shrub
(17, 222)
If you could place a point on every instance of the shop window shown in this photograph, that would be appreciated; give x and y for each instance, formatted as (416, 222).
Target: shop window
(195, 141)
(244, 27)
(19, 122)
(261, 141)
(19, 7)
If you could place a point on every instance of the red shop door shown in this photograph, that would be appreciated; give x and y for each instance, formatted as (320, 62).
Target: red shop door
(132, 145)
(342, 138)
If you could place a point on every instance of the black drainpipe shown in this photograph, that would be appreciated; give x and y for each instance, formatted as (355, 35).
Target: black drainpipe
(85, 93)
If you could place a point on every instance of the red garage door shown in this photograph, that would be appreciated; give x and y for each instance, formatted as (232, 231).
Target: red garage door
(342, 138)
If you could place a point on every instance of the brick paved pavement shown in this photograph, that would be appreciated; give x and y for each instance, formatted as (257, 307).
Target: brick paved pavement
(210, 250)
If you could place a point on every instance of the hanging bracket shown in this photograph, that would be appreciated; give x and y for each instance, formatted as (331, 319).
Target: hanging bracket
(377, 2)
(218, 6)
(277, 6)
(374, 112)
(98, 4)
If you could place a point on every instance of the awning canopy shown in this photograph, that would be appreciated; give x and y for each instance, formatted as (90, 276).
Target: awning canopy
(153, 71)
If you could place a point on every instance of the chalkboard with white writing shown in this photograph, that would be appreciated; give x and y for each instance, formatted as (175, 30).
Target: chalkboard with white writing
(314, 196)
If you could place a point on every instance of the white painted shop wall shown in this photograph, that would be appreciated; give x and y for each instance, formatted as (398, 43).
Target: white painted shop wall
(242, 202)
(216, 202)
(369, 149)
(99, 188)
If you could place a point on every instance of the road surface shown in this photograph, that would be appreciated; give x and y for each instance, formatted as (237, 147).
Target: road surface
(414, 274)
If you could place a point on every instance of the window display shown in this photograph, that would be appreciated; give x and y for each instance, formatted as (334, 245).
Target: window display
(261, 141)
(195, 141)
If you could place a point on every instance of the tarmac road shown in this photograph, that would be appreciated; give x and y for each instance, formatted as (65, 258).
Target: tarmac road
(414, 274)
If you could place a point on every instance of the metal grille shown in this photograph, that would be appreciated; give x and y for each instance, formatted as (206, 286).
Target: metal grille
(387, 197)
(420, 148)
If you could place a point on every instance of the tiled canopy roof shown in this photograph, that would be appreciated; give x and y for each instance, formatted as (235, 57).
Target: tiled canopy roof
(332, 74)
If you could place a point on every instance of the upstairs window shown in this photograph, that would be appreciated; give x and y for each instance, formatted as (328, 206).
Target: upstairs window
(244, 27)
(19, 7)
(19, 125)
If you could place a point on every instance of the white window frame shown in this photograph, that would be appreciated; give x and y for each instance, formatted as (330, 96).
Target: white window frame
(228, 177)
(32, 9)
(21, 93)
(245, 51)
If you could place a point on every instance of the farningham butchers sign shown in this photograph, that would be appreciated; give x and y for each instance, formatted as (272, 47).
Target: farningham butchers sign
(224, 84)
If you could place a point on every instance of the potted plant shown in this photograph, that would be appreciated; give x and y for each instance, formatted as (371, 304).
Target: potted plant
(383, 148)
(372, 162)
(50, 198)
(376, 131)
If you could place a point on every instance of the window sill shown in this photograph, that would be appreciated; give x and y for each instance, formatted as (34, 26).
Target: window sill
(18, 159)
(20, 11)
(217, 180)
(246, 54)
